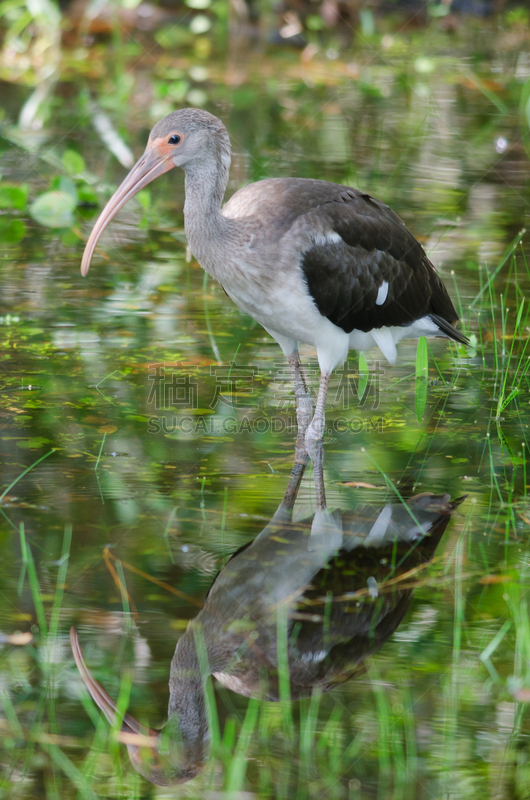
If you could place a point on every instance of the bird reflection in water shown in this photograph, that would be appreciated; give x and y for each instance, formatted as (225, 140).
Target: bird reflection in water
(341, 588)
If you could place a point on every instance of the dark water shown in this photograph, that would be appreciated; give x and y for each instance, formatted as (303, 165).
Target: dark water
(163, 420)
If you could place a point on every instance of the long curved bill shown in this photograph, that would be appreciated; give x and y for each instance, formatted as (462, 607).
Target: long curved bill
(150, 166)
(131, 731)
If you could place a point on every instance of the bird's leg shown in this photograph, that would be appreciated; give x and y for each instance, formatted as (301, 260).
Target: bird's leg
(304, 410)
(313, 440)
(304, 404)
(317, 458)
(295, 479)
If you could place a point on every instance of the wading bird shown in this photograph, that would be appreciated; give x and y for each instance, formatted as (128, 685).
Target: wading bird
(311, 261)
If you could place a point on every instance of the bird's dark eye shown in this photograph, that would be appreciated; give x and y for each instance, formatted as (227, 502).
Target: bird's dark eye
(175, 139)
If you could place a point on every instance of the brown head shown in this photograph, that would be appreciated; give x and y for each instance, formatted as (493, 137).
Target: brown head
(182, 138)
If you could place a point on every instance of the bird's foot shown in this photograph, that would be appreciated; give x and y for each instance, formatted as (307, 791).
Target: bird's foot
(326, 532)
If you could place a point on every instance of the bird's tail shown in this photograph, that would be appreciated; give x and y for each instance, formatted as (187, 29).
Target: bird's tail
(449, 330)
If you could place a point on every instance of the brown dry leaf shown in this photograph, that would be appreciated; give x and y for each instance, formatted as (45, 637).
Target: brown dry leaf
(493, 86)
(360, 485)
(108, 429)
(19, 638)
(52, 738)
(495, 579)
(137, 739)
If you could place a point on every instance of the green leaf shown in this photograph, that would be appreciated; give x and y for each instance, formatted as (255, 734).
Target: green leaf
(54, 209)
(422, 372)
(69, 238)
(314, 22)
(363, 376)
(87, 195)
(173, 36)
(505, 402)
(74, 163)
(34, 443)
(62, 184)
(367, 21)
(144, 198)
(11, 230)
(422, 359)
(421, 397)
(13, 196)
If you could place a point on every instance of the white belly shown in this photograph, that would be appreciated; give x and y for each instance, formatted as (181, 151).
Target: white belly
(291, 316)
(284, 309)
(287, 311)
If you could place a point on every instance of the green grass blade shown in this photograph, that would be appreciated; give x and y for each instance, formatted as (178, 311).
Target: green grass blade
(363, 376)
(504, 258)
(33, 582)
(61, 578)
(422, 372)
(28, 469)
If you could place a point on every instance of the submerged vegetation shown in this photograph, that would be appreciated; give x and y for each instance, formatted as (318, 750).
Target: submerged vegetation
(148, 425)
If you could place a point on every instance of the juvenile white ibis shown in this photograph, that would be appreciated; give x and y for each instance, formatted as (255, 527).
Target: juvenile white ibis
(312, 261)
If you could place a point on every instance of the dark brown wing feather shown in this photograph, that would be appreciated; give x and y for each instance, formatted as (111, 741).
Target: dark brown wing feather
(344, 277)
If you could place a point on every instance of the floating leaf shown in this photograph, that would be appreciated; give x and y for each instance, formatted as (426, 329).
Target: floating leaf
(33, 443)
(144, 198)
(87, 195)
(63, 184)
(54, 209)
(107, 429)
(13, 196)
(74, 163)
(69, 238)
(11, 230)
